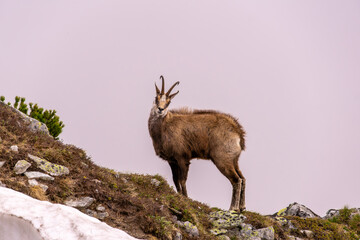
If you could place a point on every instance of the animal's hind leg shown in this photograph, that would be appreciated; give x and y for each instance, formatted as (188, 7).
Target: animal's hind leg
(227, 169)
(175, 174)
(243, 185)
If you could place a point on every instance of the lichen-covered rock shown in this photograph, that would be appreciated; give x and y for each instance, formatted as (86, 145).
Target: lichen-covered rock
(48, 167)
(39, 175)
(217, 231)
(190, 228)
(82, 202)
(21, 166)
(226, 219)
(296, 209)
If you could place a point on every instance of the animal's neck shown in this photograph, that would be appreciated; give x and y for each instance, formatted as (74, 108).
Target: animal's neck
(154, 123)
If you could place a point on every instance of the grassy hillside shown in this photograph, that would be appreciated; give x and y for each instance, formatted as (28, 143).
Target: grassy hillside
(145, 206)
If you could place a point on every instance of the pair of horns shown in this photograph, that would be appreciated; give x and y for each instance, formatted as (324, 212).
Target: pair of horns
(162, 88)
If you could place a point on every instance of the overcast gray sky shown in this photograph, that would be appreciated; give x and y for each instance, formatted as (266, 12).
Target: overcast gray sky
(288, 70)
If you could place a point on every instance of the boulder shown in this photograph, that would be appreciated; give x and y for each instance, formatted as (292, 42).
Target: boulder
(21, 166)
(82, 202)
(39, 175)
(296, 209)
(50, 168)
(190, 228)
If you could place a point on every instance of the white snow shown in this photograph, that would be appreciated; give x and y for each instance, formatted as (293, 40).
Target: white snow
(23, 217)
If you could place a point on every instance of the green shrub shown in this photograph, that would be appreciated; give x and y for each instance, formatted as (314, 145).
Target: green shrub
(49, 117)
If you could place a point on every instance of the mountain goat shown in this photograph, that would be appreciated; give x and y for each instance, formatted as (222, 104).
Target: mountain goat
(181, 135)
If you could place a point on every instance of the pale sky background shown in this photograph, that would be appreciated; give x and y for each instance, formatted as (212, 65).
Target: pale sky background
(288, 70)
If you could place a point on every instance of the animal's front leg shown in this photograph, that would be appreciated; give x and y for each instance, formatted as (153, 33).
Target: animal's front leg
(175, 174)
(184, 169)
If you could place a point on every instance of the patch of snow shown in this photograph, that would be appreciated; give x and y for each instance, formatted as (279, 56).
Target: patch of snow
(45, 220)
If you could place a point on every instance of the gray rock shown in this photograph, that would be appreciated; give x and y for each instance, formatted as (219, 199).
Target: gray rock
(2, 163)
(91, 213)
(155, 182)
(265, 233)
(21, 166)
(39, 175)
(33, 182)
(102, 215)
(246, 231)
(308, 233)
(100, 208)
(82, 202)
(191, 229)
(296, 209)
(14, 148)
(48, 167)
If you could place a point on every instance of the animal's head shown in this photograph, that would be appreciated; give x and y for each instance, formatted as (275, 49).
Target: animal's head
(162, 99)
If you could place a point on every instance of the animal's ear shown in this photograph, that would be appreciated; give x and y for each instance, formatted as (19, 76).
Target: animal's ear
(173, 95)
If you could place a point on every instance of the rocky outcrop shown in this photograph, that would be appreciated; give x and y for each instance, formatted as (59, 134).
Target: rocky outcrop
(230, 224)
(33, 124)
(336, 212)
(296, 209)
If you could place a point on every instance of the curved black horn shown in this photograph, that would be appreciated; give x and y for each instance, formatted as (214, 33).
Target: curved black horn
(157, 89)
(163, 85)
(169, 91)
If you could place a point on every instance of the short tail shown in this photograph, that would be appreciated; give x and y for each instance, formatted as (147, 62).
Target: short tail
(242, 138)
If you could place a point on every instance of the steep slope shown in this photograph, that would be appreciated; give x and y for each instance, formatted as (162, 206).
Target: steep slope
(144, 206)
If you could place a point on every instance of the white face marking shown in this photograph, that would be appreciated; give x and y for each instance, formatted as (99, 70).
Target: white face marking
(163, 98)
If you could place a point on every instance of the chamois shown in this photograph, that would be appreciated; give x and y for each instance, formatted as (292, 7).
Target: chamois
(181, 135)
